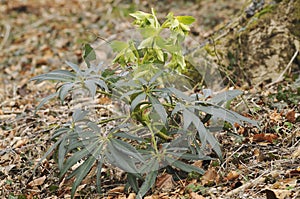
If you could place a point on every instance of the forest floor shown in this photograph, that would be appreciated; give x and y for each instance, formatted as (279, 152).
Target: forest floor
(39, 36)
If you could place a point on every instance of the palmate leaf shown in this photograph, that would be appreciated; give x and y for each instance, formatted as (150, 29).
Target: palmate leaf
(205, 136)
(120, 159)
(127, 149)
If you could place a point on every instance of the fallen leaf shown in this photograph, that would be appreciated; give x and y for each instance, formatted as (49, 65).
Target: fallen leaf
(277, 193)
(194, 195)
(119, 189)
(211, 176)
(37, 181)
(21, 143)
(262, 137)
(165, 182)
(198, 163)
(232, 175)
(296, 153)
(275, 116)
(283, 183)
(131, 196)
(290, 116)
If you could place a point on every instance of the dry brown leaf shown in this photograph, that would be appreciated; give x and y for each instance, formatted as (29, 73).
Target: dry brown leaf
(194, 195)
(131, 196)
(210, 176)
(296, 153)
(294, 172)
(21, 143)
(119, 189)
(283, 183)
(232, 175)
(275, 116)
(152, 197)
(278, 193)
(198, 163)
(165, 182)
(290, 116)
(262, 137)
(37, 182)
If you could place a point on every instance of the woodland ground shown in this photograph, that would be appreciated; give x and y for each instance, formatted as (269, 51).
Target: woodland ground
(38, 36)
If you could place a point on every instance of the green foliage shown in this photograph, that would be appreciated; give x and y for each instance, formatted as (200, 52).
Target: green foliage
(163, 126)
(155, 50)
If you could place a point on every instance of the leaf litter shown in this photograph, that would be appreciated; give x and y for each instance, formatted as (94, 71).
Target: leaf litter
(38, 36)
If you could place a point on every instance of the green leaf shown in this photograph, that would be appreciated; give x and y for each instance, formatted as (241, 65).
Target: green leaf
(183, 166)
(57, 75)
(187, 20)
(118, 46)
(75, 67)
(147, 43)
(180, 94)
(137, 100)
(89, 54)
(129, 136)
(45, 100)
(48, 152)
(102, 84)
(83, 169)
(76, 157)
(188, 118)
(91, 86)
(139, 15)
(120, 159)
(148, 183)
(127, 149)
(147, 32)
(223, 97)
(159, 109)
(79, 115)
(133, 182)
(64, 89)
(62, 152)
(98, 174)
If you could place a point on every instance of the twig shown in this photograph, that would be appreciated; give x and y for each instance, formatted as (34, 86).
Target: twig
(280, 78)
(6, 35)
(227, 159)
(249, 184)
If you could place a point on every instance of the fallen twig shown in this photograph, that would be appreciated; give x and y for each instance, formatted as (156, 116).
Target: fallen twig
(280, 78)
(251, 183)
(6, 35)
